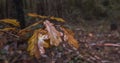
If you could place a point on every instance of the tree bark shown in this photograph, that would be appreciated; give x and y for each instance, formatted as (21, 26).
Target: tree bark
(20, 12)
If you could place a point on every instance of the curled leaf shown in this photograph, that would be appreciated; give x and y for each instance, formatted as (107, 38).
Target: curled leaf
(54, 35)
(41, 43)
(69, 37)
(37, 42)
(32, 43)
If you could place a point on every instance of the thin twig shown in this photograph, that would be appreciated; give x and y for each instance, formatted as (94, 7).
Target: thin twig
(10, 34)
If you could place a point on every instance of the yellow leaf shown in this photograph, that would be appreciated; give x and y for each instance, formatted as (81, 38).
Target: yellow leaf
(46, 44)
(57, 19)
(11, 21)
(69, 36)
(31, 43)
(36, 43)
(32, 14)
(43, 38)
(44, 17)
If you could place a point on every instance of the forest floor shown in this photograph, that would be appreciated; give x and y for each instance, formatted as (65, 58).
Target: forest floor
(97, 45)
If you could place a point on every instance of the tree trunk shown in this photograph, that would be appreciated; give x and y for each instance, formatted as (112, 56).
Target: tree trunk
(20, 12)
(51, 7)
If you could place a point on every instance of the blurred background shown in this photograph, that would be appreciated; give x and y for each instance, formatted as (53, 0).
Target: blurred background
(76, 12)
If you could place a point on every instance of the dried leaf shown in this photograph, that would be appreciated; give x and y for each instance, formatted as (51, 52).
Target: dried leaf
(44, 17)
(37, 43)
(36, 15)
(57, 19)
(32, 14)
(11, 21)
(32, 43)
(69, 36)
(42, 36)
(54, 35)
(36, 51)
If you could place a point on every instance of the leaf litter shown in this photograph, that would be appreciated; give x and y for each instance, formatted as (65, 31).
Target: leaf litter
(46, 45)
